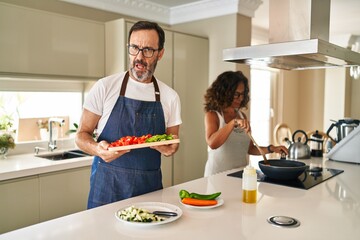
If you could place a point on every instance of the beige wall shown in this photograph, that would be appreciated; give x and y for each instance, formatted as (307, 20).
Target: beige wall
(300, 99)
(223, 32)
(355, 99)
(311, 100)
(334, 95)
(287, 99)
(315, 97)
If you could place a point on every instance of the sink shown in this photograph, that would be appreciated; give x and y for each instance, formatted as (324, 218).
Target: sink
(56, 156)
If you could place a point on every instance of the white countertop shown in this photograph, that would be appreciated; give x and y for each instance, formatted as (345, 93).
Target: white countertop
(24, 165)
(330, 210)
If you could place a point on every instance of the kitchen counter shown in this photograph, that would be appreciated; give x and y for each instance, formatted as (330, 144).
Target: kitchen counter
(24, 165)
(330, 210)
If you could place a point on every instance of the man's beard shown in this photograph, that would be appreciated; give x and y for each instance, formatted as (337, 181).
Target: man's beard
(143, 76)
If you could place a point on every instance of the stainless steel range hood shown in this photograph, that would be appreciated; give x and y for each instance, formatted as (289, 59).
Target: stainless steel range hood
(296, 55)
(291, 21)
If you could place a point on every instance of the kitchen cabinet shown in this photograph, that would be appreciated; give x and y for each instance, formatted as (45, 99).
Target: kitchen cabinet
(39, 42)
(191, 69)
(184, 67)
(19, 203)
(30, 200)
(63, 192)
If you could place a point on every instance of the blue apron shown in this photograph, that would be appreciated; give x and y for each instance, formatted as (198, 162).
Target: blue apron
(134, 173)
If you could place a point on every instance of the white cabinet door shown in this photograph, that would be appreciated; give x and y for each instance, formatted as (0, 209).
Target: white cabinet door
(115, 46)
(19, 203)
(37, 42)
(63, 192)
(191, 68)
(164, 72)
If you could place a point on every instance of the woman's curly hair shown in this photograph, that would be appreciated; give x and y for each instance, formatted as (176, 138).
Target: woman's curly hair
(221, 92)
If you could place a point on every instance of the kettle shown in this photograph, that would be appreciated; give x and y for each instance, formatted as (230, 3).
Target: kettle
(343, 128)
(298, 150)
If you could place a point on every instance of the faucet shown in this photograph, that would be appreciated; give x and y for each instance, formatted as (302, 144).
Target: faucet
(52, 142)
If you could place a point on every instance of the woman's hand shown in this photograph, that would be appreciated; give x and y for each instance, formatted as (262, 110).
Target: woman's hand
(279, 149)
(242, 124)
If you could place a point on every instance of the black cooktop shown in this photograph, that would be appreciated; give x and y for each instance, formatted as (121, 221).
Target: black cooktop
(307, 180)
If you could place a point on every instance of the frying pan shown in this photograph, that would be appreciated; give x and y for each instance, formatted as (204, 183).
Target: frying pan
(279, 169)
(282, 169)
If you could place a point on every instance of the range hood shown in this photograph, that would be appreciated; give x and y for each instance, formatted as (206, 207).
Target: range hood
(299, 33)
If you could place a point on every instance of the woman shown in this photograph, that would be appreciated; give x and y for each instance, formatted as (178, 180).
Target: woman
(226, 126)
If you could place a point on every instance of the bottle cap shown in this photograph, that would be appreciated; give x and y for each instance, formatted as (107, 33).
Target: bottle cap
(250, 170)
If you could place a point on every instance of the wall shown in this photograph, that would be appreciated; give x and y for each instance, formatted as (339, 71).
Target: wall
(300, 100)
(237, 31)
(355, 99)
(311, 100)
(287, 99)
(334, 95)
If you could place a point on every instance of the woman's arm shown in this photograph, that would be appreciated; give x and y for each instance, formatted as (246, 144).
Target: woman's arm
(269, 149)
(216, 137)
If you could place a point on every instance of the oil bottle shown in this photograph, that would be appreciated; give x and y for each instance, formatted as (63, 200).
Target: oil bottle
(249, 185)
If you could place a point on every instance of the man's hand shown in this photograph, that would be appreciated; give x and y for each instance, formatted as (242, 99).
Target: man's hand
(169, 149)
(105, 154)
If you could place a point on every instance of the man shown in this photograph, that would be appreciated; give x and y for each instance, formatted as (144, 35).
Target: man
(131, 103)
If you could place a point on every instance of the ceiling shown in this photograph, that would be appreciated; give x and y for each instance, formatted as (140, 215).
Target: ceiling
(344, 16)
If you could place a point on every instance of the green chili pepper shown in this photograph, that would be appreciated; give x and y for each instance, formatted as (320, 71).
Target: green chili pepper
(159, 137)
(205, 197)
(185, 194)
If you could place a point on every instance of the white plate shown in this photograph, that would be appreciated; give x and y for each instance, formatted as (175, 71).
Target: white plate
(152, 206)
(220, 202)
(144, 145)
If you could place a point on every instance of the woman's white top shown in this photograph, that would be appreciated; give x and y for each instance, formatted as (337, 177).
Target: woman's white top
(232, 154)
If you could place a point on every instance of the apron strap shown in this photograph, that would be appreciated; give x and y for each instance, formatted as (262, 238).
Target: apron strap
(124, 84)
(157, 91)
(125, 81)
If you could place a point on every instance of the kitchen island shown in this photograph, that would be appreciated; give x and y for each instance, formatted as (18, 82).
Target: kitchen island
(329, 210)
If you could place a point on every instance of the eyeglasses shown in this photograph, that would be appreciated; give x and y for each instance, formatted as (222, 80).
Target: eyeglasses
(146, 51)
(238, 94)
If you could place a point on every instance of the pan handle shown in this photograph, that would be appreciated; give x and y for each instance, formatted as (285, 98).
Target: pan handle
(305, 176)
